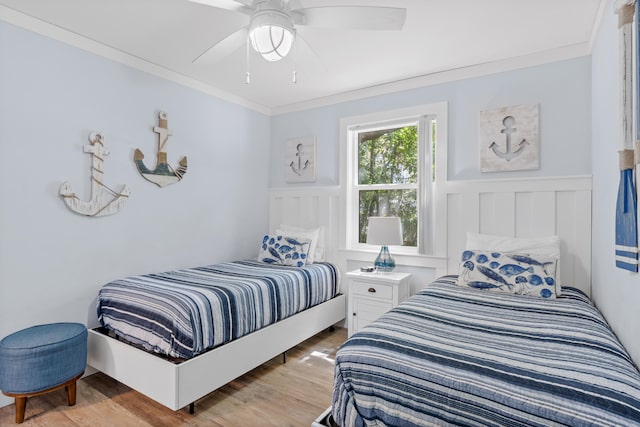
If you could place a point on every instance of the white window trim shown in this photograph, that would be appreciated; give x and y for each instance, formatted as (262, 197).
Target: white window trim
(435, 242)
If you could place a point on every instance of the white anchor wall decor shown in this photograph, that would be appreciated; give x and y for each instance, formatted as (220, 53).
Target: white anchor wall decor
(163, 174)
(98, 205)
(301, 159)
(509, 139)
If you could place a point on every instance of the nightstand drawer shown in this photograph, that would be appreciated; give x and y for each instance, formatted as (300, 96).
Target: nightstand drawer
(374, 290)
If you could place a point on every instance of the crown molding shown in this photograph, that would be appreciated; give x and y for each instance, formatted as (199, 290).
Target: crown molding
(46, 29)
(597, 23)
(444, 76)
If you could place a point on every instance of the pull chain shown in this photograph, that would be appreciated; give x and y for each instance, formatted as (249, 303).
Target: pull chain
(248, 76)
(295, 73)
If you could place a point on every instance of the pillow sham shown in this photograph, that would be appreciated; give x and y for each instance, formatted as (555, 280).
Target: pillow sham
(316, 251)
(284, 250)
(544, 246)
(520, 274)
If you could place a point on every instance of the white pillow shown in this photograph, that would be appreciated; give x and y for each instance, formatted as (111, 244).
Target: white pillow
(546, 246)
(316, 235)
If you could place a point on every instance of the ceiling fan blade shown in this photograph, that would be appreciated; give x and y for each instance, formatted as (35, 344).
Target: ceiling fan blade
(308, 55)
(352, 17)
(224, 47)
(243, 6)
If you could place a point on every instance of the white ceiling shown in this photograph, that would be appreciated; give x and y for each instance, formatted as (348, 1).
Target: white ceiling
(438, 35)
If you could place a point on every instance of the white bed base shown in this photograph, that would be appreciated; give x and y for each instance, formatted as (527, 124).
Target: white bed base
(178, 385)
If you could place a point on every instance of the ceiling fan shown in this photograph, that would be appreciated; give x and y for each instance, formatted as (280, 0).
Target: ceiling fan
(271, 24)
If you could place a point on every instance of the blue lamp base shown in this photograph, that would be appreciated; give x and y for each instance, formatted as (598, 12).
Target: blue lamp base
(384, 262)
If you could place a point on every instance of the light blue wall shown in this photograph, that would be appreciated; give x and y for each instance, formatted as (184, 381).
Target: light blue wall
(51, 96)
(562, 89)
(616, 292)
(53, 261)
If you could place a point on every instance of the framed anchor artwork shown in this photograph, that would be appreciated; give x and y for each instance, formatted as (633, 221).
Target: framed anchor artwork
(509, 139)
(301, 159)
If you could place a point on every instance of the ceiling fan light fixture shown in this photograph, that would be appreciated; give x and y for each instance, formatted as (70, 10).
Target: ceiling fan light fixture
(271, 34)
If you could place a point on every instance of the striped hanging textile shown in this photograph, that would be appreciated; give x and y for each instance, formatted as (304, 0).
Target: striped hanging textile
(626, 216)
(626, 249)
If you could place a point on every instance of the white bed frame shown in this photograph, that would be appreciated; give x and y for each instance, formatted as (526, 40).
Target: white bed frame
(178, 385)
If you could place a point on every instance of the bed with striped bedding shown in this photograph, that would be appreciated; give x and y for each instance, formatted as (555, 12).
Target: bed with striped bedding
(183, 313)
(459, 356)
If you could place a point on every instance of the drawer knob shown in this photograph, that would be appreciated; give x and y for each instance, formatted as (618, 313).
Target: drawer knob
(372, 290)
(354, 314)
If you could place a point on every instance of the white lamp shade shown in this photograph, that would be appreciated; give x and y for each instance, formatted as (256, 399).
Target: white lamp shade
(271, 35)
(384, 230)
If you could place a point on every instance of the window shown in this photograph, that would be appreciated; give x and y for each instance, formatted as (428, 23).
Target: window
(391, 170)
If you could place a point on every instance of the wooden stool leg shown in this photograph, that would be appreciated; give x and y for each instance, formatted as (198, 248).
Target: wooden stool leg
(71, 393)
(21, 405)
(21, 399)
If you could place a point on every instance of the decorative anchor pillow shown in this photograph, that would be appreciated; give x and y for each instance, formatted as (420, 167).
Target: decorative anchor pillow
(533, 275)
(283, 250)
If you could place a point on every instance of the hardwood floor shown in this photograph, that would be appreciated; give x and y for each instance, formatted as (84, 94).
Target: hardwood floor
(274, 394)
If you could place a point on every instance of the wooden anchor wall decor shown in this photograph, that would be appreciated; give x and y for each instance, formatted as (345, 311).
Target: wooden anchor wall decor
(163, 174)
(98, 205)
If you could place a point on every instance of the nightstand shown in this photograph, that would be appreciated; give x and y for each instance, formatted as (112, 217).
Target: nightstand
(373, 294)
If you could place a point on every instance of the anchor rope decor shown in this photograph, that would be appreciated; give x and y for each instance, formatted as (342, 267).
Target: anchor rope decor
(626, 244)
(163, 174)
(97, 206)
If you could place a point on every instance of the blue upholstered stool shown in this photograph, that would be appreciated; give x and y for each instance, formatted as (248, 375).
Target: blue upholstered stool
(41, 359)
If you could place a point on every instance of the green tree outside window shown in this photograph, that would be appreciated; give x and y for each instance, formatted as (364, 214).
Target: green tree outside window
(389, 158)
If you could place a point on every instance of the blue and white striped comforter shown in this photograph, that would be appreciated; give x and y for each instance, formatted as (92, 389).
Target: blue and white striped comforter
(185, 312)
(459, 356)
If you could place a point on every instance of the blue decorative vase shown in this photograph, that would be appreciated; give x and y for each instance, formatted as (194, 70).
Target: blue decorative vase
(384, 262)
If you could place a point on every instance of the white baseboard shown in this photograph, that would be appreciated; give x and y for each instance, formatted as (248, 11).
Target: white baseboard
(5, 401)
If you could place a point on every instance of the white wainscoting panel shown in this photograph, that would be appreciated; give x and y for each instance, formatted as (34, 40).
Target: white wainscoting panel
(525, 208)
(309, 207)
(533, 207)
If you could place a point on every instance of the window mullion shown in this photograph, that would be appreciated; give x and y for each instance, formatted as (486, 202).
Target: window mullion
(373, 187)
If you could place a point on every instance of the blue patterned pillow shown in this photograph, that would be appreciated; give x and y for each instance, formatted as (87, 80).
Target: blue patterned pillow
(521, 274)
(284, 250)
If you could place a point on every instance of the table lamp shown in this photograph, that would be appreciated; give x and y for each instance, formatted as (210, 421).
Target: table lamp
(385, 231)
